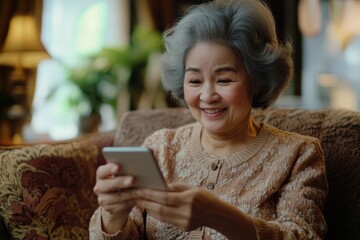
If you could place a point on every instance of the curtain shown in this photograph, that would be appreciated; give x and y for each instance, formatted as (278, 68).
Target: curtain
(162, 12)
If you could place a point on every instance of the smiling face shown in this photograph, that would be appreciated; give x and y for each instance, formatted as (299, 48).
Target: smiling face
(217, 89)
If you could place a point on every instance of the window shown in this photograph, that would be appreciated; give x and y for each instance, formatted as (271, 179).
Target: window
(70, 30)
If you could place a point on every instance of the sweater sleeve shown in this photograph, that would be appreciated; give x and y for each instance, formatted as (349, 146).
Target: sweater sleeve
(301, 199)
(133, 228)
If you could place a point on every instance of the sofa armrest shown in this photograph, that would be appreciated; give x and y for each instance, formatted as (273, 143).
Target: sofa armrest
(46, 189)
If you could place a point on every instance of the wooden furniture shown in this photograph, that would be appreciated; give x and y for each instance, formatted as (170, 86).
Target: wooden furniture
(16, 91)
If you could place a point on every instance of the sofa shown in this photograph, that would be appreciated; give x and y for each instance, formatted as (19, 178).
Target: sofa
(46, 189)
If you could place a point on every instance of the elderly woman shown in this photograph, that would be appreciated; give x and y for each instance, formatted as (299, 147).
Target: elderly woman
(229, 176)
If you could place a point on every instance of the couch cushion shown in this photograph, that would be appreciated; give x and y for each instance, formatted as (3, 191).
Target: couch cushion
(46, 191)
(135, 126)
(339, 133)
(337, 130)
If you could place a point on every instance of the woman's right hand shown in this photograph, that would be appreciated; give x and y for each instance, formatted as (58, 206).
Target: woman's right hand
(115, 197)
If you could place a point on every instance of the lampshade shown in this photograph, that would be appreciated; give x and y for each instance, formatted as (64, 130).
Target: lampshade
(23, 46)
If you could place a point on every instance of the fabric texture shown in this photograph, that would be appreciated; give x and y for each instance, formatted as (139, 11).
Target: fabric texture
(339, 134)
(276, 167)
(46, 190)
(338, 131)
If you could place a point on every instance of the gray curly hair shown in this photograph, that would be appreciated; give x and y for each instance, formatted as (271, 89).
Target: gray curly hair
(248, 28)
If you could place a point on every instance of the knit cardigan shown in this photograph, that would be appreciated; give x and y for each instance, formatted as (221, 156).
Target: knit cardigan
(279, 179)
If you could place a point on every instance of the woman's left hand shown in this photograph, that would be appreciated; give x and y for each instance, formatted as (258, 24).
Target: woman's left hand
(183, 205)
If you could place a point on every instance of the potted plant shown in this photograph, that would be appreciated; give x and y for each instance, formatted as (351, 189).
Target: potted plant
(98, 79)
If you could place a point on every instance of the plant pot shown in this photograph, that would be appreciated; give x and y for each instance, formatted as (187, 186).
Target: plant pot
(89, 124)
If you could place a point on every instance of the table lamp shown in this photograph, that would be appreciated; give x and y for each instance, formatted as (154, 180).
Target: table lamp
(22, 50)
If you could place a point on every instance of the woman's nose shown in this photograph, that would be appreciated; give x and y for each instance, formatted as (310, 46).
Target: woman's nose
(208, 93)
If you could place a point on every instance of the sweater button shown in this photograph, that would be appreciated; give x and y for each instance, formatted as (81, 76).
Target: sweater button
(210, 186)
(214, 166)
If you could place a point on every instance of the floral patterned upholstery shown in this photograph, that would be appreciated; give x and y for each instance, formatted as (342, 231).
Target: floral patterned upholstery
(46, 191)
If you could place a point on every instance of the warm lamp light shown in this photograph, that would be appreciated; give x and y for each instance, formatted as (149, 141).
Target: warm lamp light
(22, 47)
(349, 26)
(309, 17)
(23, 50)
(344, 22)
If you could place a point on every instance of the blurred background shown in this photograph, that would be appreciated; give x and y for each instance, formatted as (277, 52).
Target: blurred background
(69, 68)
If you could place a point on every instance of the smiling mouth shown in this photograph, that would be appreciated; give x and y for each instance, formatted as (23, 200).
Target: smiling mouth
(213, 111)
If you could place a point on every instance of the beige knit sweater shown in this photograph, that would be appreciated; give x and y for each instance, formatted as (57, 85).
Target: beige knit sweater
(279, 179)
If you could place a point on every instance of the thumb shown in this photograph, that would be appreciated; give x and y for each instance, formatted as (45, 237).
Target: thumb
(179, 187)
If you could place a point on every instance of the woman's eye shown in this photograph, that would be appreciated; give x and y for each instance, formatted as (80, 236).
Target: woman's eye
(194, 81)
(224, 80)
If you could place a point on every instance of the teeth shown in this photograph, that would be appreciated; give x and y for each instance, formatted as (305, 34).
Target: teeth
(212, 111)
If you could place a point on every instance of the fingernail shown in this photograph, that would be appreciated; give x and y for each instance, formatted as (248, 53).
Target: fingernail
(128, 181)
(113, 170)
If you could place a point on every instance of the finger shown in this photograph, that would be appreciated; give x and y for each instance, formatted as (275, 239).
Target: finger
(169, 214)
(116, 198)
(179, 187)
(153, 208)
(116, 208)
(165, 198)
(107, 170)
(113, 184)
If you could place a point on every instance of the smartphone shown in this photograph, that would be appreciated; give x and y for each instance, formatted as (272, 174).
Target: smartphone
(138, 162)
